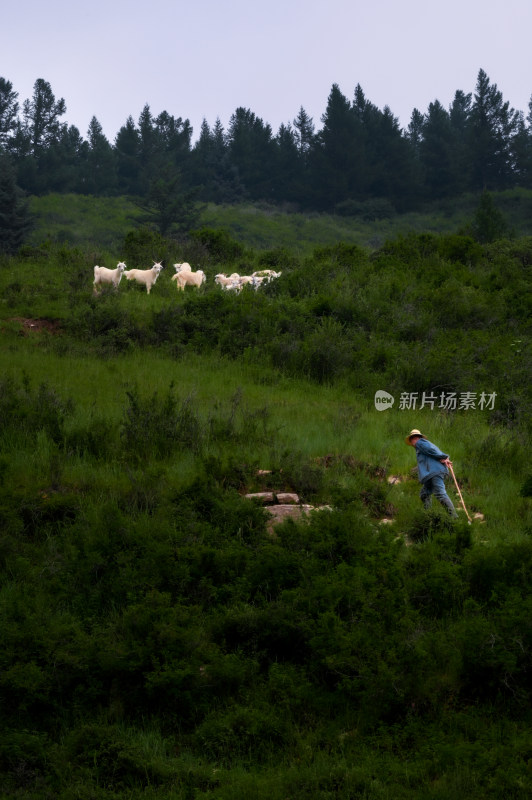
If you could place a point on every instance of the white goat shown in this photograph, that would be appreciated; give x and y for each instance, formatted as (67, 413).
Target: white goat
(269, 274)
(184, 267)
(185, 278)
(102, 275)
(146, 277)
(245, 280)
(230, 283)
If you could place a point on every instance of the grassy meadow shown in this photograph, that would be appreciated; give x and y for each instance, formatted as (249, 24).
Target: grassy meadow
(103, 223)
(161, 638)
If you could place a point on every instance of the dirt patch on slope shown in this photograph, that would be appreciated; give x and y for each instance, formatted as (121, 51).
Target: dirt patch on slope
(36, 325)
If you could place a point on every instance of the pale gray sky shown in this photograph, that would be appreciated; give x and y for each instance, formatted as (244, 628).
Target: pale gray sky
(204, 58)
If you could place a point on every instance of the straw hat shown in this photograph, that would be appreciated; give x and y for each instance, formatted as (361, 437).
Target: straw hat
(413, 432)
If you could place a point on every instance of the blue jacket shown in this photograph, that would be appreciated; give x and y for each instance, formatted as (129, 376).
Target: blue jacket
(429, 460)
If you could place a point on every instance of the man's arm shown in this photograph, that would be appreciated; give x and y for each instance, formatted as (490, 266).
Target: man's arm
(431, 450)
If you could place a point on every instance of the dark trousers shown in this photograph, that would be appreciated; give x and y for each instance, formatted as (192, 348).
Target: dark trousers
(435, 486)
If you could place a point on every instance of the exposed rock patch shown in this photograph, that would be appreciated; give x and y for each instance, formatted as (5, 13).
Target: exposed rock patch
(36, 325)
(283, 505)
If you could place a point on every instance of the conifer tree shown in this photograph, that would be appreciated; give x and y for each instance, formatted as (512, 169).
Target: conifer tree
(436, 152)
(488, 223)
(252, 151)
(173, 138)
(288, 167)
(304, 133)
(459, 116)
(62, 165)
(212, 170)
(100, 176)
(522, 149)
(492, 125)
(336, 156)
(146, 134)
(42, 117)
(414, 132)
(8, 115)
(127, 149)
(14, 216)
(169, 206)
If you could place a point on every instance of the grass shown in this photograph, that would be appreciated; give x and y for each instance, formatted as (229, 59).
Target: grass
(116, 572)
(266, 227)
(328, 420)
(80, 220)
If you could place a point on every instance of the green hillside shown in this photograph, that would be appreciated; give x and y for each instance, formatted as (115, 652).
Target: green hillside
(162, 638)
(79, 219)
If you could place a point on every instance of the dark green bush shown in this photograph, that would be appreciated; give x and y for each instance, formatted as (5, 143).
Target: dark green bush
(462, 249)
(219, 244)
(96, 440)
(235, 422)
(143, 247)
(303, 476)
(526, 488)
(425, 524)
(345, 255)
(104, 325)
(492, 572)
(25, 411)
(107, 760)
(250, 732)
(278, 259)
(368, 210)
(155, 427)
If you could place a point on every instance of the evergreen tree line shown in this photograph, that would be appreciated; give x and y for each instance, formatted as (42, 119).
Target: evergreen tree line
(361, 162)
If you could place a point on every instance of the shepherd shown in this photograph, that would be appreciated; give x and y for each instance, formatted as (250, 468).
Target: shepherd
(432, 466)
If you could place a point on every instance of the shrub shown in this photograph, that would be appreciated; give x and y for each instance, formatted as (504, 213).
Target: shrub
(238, 423)
(425, 524)
(437, 589)
(279, 259)
(327, 352)
(98, 439)
(144, 246)
(302, 475)
(219, 244)
(23, 756)
(104, 325)
(489, 223)
(243, 732)
(346, 255)
(368, 210)
(156, 427)
(109, 760)
(462, 249)
(526, 488)
(24, 411)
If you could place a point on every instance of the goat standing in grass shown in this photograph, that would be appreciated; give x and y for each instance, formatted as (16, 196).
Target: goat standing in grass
(188, 278)
(229, 283)
(183, 267)
(111, 277)
(146, 277)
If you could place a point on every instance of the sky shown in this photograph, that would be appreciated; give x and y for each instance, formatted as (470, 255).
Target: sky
(203, 59)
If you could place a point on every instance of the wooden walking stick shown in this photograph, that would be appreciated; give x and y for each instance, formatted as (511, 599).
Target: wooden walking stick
(459, 492)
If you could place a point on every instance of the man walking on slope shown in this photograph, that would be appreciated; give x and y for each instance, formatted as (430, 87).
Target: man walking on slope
(432, 467)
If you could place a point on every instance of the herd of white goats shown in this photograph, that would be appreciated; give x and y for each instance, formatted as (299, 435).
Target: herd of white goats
(184, 276)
